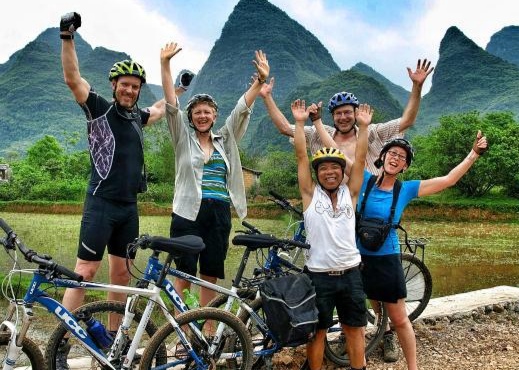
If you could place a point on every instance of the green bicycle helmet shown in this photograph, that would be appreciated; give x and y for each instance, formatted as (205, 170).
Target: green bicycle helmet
(328, 155)
(127, 68)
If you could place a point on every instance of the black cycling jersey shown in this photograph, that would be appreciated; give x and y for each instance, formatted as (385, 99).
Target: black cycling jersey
(116, 154)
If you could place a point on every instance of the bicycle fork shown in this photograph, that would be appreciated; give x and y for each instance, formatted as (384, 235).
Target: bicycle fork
(14, 348)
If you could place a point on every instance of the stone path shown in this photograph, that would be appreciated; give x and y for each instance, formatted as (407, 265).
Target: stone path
(465, 302)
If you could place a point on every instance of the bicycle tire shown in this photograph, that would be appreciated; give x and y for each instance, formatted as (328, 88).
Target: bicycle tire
(418, 281)
(221, 299)
(31, 356)
(235, 337)
(258, 338)
(78, 354)
(335, 343)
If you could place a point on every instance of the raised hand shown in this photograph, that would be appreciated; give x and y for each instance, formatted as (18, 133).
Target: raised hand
(262, 66)
(364, 114)
(169, 51)
(299, 110)
(315, 111)
(266, 88)
(423, 69)
(480, 145)
(70, 22)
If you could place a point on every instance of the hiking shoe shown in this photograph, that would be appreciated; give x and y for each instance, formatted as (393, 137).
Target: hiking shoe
(62, 355)
(390, 348)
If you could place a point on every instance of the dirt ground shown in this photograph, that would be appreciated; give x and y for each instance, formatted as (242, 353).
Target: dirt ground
(486, 338)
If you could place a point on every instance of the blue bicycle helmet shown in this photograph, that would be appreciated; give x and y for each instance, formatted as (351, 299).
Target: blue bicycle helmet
(342, 98)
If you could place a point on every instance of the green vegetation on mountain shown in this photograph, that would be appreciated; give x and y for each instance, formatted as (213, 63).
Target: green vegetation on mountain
(505, 44)
(34, 99)
(35, 102)
(468, 78)
(401, 94)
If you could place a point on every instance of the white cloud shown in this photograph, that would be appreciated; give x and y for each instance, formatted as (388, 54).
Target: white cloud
(388, 39)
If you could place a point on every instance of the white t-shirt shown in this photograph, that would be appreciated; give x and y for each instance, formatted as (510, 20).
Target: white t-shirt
(331, 233)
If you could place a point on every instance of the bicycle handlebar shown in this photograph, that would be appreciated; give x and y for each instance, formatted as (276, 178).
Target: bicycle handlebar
(12, 241)
(284, 203)
(291, 242)
(251, 227)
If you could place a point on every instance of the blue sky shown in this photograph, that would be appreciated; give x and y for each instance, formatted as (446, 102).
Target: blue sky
(387, 35)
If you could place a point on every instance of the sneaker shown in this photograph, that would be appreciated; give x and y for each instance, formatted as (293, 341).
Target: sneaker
(62, 355)
(390, 348)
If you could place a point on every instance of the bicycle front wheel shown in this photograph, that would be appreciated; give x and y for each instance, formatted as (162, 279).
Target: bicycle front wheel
(418, 282)
(335, 345)
(70, 352)
(235, 346)
(30, 357)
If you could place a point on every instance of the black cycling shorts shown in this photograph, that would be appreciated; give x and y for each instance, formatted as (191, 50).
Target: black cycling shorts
(107, 223)
(213, 225)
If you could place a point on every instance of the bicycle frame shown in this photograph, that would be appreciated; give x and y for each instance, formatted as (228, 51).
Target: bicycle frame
(46, 275)
(152, 273)
(35, 294)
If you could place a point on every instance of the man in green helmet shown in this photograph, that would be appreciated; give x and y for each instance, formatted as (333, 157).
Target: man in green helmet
(110, 217)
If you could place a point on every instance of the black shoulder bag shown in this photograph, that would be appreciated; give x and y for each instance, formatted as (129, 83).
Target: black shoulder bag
(373, 232)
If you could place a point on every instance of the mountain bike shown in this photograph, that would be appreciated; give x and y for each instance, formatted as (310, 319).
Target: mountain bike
(199, 348)
(276, 261)
(234, 301)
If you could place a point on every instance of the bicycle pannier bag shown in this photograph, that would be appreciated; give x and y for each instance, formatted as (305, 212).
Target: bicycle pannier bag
(289, 305)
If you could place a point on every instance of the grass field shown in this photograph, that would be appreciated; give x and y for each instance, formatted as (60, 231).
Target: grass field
(462, 256)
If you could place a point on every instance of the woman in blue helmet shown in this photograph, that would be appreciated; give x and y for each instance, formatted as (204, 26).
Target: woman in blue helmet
(382, 273)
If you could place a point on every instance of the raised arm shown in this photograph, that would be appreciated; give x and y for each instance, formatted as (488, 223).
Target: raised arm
(277, 117)
(157, 111)
(79, 87)
(304, 176)
(166, 53)
(363, 115)
(418, 77)
(262, 67)
(437, 184)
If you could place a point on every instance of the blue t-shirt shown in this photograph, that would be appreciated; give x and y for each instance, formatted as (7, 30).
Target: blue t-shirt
(378, 205)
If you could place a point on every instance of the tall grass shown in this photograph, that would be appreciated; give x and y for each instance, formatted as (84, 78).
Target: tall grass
(462, 256)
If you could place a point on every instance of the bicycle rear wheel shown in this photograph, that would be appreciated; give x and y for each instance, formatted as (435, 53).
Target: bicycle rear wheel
(234, 349)
(335, 345)
(30, 357)
(77, 356)
(418, 281)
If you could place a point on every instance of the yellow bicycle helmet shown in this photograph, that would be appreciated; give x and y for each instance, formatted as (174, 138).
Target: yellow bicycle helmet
(328, 155)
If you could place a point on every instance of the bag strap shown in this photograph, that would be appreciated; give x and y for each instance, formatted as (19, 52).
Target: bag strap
(396, 193)
(369, 186)
(138, 128)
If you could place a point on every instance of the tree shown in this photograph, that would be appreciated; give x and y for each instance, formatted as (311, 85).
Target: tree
(448, 144)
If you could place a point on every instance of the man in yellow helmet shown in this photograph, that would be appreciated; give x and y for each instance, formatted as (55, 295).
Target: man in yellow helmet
(333, 261)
